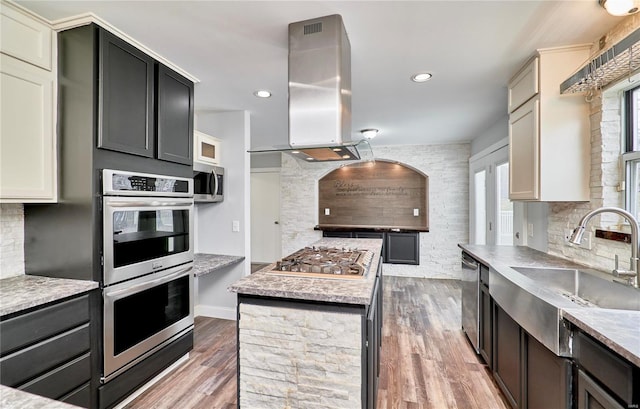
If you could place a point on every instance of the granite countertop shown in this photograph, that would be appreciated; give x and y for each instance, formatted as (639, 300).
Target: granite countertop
(208, 263)
(618, 329)
(27, 291)
(337, 290)
(15, 399)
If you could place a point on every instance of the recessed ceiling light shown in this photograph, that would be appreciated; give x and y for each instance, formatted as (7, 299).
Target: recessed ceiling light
(421, 77)
(295, 151)
(336, 149)
(262, 93)
(369, 133)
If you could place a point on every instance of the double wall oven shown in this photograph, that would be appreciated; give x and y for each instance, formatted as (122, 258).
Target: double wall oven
(147, 265)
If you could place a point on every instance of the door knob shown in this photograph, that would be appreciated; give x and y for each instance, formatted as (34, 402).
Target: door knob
(276, 222)
(517, 235)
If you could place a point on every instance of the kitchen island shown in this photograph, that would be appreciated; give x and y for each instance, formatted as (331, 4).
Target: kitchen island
(310, 342)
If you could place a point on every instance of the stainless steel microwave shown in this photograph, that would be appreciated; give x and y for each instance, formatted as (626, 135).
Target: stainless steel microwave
(208, 183)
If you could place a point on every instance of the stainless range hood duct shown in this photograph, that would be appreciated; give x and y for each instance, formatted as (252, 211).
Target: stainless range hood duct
(320, 90)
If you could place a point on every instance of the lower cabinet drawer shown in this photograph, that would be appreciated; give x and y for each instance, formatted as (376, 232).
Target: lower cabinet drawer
(612, 371)
(79, 397)
(31, 362)
(62, 380)
(27, 329)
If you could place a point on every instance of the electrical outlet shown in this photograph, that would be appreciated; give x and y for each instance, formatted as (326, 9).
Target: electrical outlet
(327, 211)
(235, 226)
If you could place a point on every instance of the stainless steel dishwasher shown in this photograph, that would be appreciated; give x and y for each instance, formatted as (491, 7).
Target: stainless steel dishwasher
(470, 299)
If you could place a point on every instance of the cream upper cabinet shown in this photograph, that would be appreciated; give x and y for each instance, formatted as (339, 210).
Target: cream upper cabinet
(524, 85)
(549, 143)
(28, 163)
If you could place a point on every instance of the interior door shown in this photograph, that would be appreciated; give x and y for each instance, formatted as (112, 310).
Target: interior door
(266, 238)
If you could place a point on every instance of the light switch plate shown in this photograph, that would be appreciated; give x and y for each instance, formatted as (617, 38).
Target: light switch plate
(327, 211)
(416, 212)
(235, 225)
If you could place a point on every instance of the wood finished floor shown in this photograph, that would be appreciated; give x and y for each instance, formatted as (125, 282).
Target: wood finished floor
(426, 360)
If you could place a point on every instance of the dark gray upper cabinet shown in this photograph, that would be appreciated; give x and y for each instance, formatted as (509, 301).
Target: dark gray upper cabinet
(175, 117)
(144, 108)
(126, 90)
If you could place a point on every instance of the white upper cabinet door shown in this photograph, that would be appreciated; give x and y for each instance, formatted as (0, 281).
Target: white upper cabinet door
(25, 37)
(549, 134)
(524, 152)
(523, 85)
(27, 138)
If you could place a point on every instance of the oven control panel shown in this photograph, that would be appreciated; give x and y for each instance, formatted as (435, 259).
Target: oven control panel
(140, 184)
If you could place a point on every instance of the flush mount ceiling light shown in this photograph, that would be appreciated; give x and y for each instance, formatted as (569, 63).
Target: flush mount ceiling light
(423, 76)
(620, 7)
(262, 93)
(369, 133)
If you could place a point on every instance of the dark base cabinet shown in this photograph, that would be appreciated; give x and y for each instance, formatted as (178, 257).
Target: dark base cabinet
(486, 325)
(507, 354)
(47, 351)
(548, 378)
(397, 248)
(605, 379)
(529, 375)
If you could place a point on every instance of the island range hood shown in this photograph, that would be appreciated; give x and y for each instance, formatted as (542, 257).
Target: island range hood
(320, 94)
(320, 90)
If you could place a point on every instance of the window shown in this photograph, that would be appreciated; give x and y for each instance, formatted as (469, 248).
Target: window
(631, 156)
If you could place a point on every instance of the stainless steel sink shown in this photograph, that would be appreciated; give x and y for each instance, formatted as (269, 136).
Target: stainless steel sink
(536, 296)
(585, 288)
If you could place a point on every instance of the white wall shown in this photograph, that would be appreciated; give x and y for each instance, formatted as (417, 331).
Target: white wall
(214, 221)
(11, 240)
(494, 134)
(448, 169)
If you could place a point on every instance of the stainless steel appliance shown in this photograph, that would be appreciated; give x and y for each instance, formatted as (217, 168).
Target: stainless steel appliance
(208, 183)
(326, 262)
(471, 299)
(148, 262)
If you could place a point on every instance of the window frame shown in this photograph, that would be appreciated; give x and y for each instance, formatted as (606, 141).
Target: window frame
(631, 148)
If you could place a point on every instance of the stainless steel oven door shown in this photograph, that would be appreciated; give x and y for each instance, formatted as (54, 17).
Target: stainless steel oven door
(143, 315)
(145, 234)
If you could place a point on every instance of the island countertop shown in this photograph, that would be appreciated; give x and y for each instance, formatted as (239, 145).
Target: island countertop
(334, 290)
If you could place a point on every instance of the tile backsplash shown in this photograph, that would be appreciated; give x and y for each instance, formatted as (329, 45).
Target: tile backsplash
(11, 240)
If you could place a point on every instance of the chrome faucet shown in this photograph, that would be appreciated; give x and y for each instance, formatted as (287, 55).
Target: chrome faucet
(633, 275)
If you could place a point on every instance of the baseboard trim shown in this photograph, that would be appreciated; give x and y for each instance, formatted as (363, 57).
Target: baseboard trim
(224, 313)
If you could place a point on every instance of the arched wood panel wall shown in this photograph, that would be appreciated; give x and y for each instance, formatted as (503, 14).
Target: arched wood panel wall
(381, 194)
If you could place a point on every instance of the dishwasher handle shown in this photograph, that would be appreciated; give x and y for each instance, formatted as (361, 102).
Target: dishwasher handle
(468, 262)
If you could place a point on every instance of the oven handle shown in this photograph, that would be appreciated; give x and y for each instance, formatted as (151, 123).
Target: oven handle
(148, 284)
(154, 203)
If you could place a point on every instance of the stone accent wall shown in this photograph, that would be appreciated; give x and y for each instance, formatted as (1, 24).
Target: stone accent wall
(448, 169)
(606, 174)
(11, 240)
(607, 171)
(293, 358)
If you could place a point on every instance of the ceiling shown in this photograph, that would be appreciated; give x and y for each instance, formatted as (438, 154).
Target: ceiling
(471, 47)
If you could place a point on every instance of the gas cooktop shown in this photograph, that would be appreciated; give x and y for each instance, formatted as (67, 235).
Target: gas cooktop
(325, 262)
